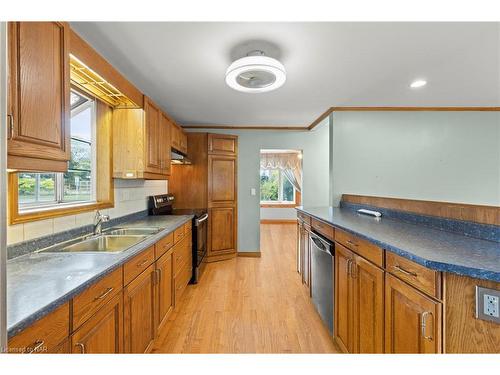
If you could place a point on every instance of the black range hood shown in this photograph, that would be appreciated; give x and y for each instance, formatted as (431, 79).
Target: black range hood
(179, 158)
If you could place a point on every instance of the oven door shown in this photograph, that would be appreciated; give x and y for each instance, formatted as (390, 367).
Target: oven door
(201, 225)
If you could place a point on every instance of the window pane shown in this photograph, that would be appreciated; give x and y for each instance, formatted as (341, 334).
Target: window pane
(77, 186)
(36, 187)
(269, 185)
(81, 155)
(81, 125)
(287, 190)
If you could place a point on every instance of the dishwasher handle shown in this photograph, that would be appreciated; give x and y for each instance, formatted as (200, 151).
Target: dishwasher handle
(321, 244)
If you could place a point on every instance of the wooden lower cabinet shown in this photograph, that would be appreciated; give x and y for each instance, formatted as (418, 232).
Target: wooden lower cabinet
(306, 259)
(368, 306)
(221, 231)
(359, 303)
(103, 332)
(412, 320)
(164, 288)
(139, 312)
(343, 300)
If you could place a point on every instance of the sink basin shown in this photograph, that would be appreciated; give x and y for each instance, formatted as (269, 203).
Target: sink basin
(105, 243)
(133, 231)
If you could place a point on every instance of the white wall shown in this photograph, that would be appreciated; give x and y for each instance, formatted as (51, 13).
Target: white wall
(271, 213)
(441, 156)
(130, 196)
(315, 180)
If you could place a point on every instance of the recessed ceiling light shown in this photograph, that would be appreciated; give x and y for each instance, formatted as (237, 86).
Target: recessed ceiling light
(255, 73)
(418, 83)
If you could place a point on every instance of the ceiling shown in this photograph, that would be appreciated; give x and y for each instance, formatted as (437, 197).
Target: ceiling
(181, 65)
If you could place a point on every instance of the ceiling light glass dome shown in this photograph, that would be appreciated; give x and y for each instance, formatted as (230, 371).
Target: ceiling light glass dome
(255, 73)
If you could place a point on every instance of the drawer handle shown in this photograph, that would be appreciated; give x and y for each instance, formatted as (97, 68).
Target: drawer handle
(352, 243)
(402, 270)
(140, 264)
(103, 295)
(81, 346)
(37, 345)
(423, 324)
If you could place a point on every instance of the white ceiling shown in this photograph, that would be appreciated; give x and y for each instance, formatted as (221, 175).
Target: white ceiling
(182, 66)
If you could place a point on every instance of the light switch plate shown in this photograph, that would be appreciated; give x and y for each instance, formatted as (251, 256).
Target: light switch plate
(253, 191)
(488, 304)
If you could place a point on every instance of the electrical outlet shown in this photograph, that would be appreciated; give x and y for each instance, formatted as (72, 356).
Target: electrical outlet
(488, 304)
(491, 305)
(253, 191)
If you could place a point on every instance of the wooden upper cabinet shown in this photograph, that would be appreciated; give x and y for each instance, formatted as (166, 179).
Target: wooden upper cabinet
(139, 312)
(103, 332)
(153, 123)
(38, 100)
(141, 143)
(179, 139)
(165, 142)
(223, 144)
(221, 180)
(412, 320)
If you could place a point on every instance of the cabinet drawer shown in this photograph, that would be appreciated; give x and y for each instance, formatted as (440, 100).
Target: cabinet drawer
(323, 228)
(361, 247)
(163, 245)
(44, 335)
(425, 279)
(302, 216)
(88, 302)
(139, 263)
(179, 234)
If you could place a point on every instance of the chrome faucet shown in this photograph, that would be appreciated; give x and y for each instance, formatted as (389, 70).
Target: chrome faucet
(98, 220)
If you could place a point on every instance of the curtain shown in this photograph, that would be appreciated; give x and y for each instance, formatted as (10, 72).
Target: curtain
(289, 163)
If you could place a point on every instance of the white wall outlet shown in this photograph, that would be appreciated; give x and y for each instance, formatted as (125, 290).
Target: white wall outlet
(253, 191)
(488, 304)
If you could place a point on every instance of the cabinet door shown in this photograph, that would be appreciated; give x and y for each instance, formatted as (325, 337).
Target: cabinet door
(221, 230)
(165, 144)
(183, 142)
(221, 180)
(164, 288)
(39, 95)
(412, 320)
(139, 307)
(306, 259)
(175, 137)
(102, 333)
(300, 227)
(153, 124)
(223, 144)
(368, 323)
(343, 304)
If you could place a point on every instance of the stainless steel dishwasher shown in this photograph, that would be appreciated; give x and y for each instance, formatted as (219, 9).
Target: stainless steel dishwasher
(322, 253)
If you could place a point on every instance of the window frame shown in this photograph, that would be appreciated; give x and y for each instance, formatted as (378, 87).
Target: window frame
(281, 203)
(103, 182)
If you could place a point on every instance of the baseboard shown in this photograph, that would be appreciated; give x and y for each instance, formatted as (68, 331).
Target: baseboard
(278, 221)
(249, 254)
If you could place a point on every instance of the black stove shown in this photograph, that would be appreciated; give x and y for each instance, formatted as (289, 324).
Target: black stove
(164, 205)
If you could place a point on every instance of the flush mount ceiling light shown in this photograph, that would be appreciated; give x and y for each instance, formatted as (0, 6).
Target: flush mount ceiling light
(418, 83)
(255, 73)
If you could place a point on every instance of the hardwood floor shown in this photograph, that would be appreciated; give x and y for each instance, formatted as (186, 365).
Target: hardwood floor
(248, 305)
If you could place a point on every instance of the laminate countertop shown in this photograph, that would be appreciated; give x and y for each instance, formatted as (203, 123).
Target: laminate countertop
(37, 283)
(433, 248)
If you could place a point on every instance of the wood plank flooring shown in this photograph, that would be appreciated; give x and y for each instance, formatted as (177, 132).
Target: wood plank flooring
(248, 305)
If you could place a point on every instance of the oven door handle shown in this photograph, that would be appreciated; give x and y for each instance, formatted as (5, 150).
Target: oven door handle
(202, 219)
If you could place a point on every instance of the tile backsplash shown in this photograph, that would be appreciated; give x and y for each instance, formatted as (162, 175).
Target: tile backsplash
(130, 196)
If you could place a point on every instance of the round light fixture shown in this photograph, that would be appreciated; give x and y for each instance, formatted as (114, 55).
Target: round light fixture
(255, 73)
(418, 83)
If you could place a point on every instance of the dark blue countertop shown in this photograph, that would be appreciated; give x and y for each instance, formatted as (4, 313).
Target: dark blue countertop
(38, 283)
(433, 248)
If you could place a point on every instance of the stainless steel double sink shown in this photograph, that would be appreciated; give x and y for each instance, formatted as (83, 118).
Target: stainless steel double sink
(113, 240)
